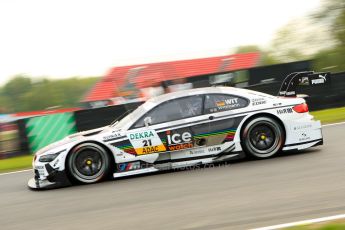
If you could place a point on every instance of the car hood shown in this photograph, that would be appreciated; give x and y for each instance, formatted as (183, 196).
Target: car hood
(86, 133)
(71, 138)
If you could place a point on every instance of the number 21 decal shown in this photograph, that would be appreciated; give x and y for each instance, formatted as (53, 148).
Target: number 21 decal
(147, 142)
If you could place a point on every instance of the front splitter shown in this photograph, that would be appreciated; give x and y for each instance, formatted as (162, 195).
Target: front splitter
(38, 185)
(57, 179)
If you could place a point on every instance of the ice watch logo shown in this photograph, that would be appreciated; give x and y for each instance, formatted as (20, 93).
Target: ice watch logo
(178, 138)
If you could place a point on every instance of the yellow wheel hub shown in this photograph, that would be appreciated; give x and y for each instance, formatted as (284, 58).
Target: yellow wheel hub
(88, 162)
(263, 137)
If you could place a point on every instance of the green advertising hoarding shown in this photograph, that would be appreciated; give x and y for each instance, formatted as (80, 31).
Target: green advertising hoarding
(44, 130)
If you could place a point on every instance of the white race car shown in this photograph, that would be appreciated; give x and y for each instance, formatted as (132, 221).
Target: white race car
(180, 129)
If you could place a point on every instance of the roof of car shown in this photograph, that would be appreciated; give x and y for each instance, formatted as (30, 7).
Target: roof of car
(205, 90)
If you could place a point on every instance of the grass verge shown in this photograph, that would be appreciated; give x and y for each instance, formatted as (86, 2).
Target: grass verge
(15, 163)
(327, 116)
(333, 225)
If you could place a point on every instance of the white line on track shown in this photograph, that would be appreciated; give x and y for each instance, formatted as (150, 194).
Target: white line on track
(26, 170)
(303, 222)
(2, 174)
(333, 124)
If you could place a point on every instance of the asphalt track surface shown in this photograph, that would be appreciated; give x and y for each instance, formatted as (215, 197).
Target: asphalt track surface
(238, 195)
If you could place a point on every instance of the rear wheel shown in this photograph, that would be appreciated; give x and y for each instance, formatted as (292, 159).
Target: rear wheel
(88, 163)
(262, 137)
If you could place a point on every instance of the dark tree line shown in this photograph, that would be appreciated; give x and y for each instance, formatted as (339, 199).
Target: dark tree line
(22, 93)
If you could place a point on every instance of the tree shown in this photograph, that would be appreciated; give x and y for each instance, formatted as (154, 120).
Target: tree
(319, 36)
(332, 16)
(299, 40)
(15, 89)
(21, 94)
(339, 27)
(330, 60)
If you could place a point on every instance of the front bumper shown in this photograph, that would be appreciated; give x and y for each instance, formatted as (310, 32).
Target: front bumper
(56, 179)
(35, 184)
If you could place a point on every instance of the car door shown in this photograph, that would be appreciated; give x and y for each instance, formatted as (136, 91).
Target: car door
(171, 124)
(224, 116)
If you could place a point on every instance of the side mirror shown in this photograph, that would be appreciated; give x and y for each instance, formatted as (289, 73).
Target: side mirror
(147, 121)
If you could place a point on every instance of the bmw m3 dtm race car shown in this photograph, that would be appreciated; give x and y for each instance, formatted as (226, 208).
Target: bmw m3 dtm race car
(185, 128)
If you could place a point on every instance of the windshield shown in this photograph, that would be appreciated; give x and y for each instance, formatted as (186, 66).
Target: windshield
(114, 122)
(131, 117)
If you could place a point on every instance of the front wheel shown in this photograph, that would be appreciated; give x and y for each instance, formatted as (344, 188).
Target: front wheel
(262, 137)
(88, 163)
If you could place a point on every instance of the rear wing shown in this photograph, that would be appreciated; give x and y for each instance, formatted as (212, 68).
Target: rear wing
(306, 78)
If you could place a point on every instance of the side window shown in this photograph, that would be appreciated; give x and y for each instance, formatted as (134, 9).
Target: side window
(223, 102)
(172, 110)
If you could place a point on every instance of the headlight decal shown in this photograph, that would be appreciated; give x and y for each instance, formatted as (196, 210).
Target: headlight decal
(49, 157)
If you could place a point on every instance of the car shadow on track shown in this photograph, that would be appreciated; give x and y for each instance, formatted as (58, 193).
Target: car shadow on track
(292, 153)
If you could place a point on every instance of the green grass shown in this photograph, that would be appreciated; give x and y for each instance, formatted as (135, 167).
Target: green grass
(15, 163)
(330, 115)
(335, 225)
(7, 135)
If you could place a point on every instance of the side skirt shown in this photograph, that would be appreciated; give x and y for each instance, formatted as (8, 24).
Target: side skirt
(181, 162)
